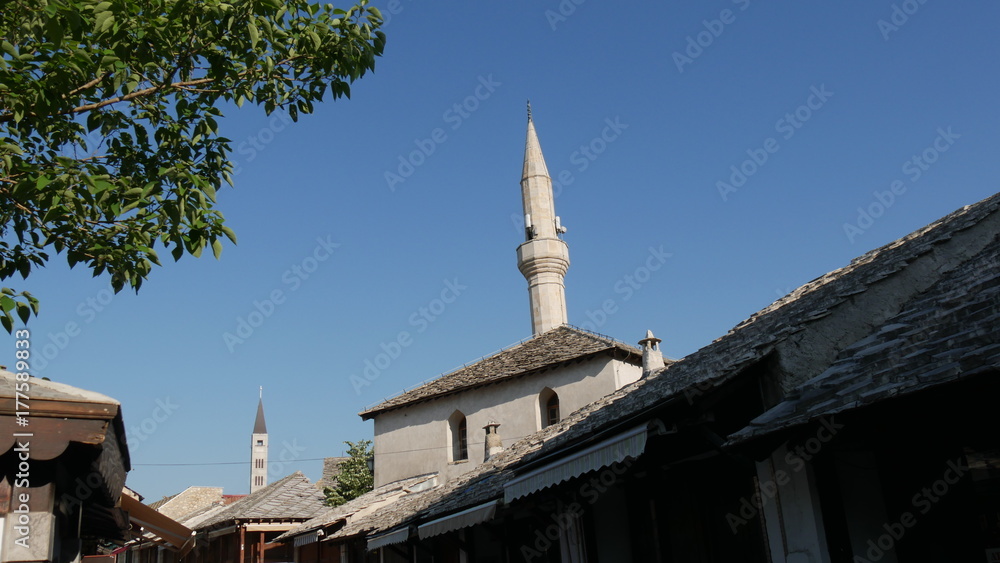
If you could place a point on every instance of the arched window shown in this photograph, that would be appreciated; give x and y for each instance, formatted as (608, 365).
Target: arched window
(459, 436)
(548, 407)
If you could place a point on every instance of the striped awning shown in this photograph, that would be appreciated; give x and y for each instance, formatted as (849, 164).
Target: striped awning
(396, 536)
(459, 520)
(613, 450)
(306, 539)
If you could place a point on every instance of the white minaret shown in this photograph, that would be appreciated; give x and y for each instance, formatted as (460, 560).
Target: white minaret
(258, 449)
(543, 258)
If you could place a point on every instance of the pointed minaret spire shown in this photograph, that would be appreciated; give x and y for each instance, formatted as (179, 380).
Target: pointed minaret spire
(258, 449)
(543, 258)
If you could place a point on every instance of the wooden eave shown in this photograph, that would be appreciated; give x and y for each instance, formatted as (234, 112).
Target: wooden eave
(49, 408)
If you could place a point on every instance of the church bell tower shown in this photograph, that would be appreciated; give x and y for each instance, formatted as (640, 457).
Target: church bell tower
(258, 449)
(543, 257)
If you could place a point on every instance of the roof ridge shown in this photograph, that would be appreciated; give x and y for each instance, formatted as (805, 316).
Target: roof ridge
(946, 222)
(598, 337)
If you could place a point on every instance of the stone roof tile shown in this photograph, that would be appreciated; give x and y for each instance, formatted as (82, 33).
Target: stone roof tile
(553, 347)
(750, 341)
(291, 498)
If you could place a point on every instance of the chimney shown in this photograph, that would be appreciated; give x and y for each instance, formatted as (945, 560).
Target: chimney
(493, 444)
(652, 357)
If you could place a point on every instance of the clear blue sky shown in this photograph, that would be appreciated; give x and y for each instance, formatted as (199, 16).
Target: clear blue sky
(879, 96)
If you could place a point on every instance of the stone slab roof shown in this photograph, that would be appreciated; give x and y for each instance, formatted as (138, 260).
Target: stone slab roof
(291, 498)
(188, 501)
(380, 499)
(918, 259)
(947, 333)
(155, 505)
(549, 349)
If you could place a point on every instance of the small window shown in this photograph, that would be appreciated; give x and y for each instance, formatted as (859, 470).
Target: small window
(463, 440)
(552, 410)
(459, 436)
(548, 407)
(260, 442)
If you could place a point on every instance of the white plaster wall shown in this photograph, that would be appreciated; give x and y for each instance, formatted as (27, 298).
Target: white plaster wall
(416, 439)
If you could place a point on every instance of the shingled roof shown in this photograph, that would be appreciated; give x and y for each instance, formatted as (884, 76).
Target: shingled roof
(947, 333)
(291, 498)
(379, 500)
(908, 289)
(549, 349)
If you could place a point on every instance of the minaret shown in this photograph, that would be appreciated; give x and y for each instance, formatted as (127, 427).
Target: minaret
(258, 449)
(543, 258)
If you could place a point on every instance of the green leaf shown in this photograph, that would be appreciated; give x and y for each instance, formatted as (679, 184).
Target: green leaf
(24, 312)
(217, 248)
(229, 234)
(254, 35)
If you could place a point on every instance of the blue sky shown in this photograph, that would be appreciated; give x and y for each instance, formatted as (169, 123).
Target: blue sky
(711, 157)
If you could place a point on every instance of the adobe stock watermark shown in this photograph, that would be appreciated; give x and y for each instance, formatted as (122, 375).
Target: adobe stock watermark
(898, 17)
(913, 168)
(455, 116)
(55, 342)
(922, 502)
(292, 278)
(626, 287)
(392, 8)
(786, 126)
(566, 8)
(714, 28)
(420, 319)
(256, 143)
(290, 453)
(582, 158)
(138, 433)
(795, 461)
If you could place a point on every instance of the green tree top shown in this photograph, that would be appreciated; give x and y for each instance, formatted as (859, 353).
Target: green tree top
(146, 78)
(355, 479)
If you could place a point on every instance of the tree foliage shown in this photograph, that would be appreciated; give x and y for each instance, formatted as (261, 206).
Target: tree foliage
(354, 479)
(109, 110)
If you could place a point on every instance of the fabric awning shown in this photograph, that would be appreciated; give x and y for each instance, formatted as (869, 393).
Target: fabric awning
(604, 453)
(306, 539)
(397, 536)
(459, 520)
(162, 526)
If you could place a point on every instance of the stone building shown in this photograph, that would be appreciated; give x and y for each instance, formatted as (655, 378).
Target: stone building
(852, 420)
(440, 427)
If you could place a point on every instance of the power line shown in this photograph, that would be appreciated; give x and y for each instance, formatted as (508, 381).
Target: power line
(512, 440)
(219, 463)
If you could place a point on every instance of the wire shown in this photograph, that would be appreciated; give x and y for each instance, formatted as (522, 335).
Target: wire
(514, 439)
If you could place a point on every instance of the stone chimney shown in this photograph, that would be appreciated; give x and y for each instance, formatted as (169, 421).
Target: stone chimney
(493, 444)
(652, 357)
